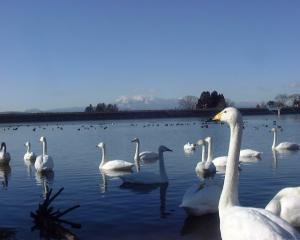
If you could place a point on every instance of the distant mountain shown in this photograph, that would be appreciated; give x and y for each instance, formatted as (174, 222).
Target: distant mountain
(145, 103)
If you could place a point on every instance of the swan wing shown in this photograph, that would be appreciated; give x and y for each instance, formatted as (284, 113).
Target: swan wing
(288, 146)
(142, 178)
(254, 223)
(201, 199)
(220, 161)
(249, 153)
(117, 165)
(148, 155)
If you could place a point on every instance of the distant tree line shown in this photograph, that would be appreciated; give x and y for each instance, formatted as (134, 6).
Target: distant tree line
(206, 100)
(281, 101)
(102, 107)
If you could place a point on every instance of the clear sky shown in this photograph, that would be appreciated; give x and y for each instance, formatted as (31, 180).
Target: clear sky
(63, 53)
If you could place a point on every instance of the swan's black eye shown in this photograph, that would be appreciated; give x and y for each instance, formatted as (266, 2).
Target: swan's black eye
(225, 111)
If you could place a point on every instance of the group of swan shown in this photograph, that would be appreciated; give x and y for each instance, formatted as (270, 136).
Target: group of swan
(237, 222)
(138, 177)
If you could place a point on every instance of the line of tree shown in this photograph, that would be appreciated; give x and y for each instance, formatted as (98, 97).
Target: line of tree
(206, 100)
(281, 101)
(102, 107)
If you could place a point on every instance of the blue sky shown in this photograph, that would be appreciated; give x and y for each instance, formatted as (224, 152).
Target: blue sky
(62, 53)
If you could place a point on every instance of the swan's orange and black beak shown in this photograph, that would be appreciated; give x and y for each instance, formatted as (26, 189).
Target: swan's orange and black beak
(218, 116)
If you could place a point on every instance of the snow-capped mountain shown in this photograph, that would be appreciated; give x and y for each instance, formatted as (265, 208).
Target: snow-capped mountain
(145, 103)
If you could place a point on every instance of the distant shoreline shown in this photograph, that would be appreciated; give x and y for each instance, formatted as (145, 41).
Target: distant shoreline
(123, 115)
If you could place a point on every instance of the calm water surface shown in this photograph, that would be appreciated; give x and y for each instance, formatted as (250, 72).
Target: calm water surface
(111, 211)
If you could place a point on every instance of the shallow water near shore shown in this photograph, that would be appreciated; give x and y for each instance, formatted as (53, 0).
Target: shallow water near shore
(110, 210)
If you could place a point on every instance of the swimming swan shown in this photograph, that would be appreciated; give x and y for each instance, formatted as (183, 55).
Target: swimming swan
(249, 153)
(112, 164)
(286, 204)
(149, 177)
(189, 147)
(44, 162)
(237, 222)
(145, 156)
(205, 167)
(29, 156)
(283, 145)
(4, 156)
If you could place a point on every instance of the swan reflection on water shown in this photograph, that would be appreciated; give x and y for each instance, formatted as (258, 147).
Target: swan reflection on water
(201, 228)
(44, 179)
(29, 165)
(5, 172)
(105, 174)
(146, 189)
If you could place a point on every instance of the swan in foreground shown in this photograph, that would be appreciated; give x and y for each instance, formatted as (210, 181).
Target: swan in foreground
(237, 222)
(112, 164)
(201, 198)
(44, 162)
(286, 204)
(205, 167)
(29, 156)
(4, 155)
(145, 156)
(283, 145)
(149, 177)
(189, 147)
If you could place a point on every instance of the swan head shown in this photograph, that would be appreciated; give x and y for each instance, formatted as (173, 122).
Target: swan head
(26, 144)
(100, 145)
(274, 130)
(135, 140)
(207, 139)
(42, 139)
(164, 149)
(200, 142)
(3, 145)
(229, 115)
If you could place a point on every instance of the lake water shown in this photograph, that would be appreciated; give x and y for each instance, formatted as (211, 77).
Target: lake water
(110, 211)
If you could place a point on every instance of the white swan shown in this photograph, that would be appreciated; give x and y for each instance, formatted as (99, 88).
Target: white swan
(44, 162)
(189, 147)
(283, 145)
(149, 177)
(145, 156)
(286, 204)
(29, 156)
(205, 167)
(249, 153)
(201, 199)
(237, 222)
(112, 164)
(4, 155)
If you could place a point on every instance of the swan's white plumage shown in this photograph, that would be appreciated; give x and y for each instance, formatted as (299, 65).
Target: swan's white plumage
(249, 153)
(284, 145)
(238, 222)
(286, 204)
(149, 177)
(189, 147)
(201, 199)
(117, 165)
(4, 155)
(145, 156)
(44, 162)
(29, 156)
(220, 161)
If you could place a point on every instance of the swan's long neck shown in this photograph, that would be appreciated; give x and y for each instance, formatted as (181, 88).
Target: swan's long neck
(137, 151)
(103, 160)
(28, 148)
(229, 196)
(209, 152)
(44, 147)
(203, 153)
(274, 139)
(162, 169)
